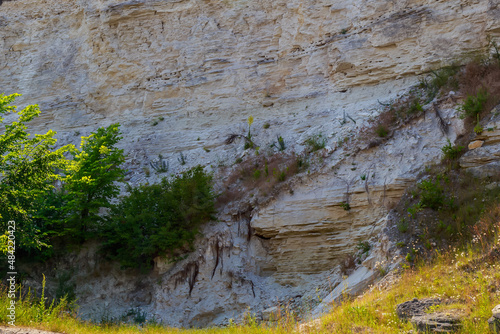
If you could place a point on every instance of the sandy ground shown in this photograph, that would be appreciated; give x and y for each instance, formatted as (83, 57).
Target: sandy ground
(22, 330)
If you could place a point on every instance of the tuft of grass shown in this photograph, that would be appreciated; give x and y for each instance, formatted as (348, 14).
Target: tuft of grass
(382, 131)
(403, 225)
(363, 247)
(315, 143)
(451, 152)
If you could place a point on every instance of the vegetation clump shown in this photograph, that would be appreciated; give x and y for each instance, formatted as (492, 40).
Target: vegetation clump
(474, 105)
(159, 219)
(315, 142)
(382, 131)
(28, 166)
(451, 152)
(91, 183)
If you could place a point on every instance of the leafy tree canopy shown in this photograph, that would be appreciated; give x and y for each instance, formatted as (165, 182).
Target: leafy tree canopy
(91, 181)
(28, 165)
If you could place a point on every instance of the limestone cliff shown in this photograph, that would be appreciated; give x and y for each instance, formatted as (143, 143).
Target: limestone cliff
(179, 75)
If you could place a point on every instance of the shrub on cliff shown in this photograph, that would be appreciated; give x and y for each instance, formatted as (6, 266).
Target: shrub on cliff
(159, 219)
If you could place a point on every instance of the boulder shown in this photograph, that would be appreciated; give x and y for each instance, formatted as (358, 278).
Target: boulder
(439, 322)
(496, 312)
(271, 313)
(475, 144)
(415, 307)
(494, 324)
(494, 321)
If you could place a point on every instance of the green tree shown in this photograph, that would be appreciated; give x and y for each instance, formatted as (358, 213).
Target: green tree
(28, 166)
(91, 181)
(159, 219)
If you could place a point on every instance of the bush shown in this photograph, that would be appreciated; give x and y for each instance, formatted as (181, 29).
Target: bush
(159, 219)
(432, 194)
(382, 131)
(451, 152)
(445, 76)
(474, 105)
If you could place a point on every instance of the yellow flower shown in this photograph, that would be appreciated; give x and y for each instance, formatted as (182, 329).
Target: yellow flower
(250, 120)
(86, 179)
(103, 150)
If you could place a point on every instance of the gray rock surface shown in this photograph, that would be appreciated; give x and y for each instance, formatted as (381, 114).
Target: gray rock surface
(439, 322)
(494, 321)
(484, 160)
(415, 307)
(494, 324)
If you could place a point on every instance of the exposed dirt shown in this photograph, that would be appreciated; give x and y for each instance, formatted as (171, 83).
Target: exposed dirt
(22, 330)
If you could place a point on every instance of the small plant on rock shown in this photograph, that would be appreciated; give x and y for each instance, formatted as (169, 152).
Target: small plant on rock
(451, 152)
(363, 247)
(381, 131)
(346, 206)
(182, 158)
(249, 143)
(474, 105)
(315, 142)
(280, 144)
(478, 129)
(160, 165)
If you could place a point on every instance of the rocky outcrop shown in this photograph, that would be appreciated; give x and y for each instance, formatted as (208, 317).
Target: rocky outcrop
(416, 311)
(196, 69)
(354, 285)
(494, 321)
(415, 307)
(439, 322)
(483, 157)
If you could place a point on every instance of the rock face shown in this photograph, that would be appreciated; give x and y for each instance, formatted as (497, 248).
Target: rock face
(415, 307)
(205, 66)
(436, 322)
(179, 75)
(441, 322)
(484, 160)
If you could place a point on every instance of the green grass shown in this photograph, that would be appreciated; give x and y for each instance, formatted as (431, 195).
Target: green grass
(473, 292)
